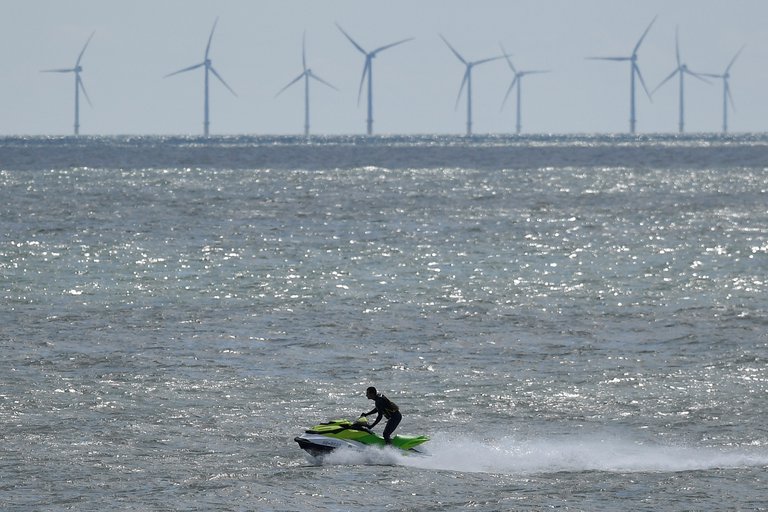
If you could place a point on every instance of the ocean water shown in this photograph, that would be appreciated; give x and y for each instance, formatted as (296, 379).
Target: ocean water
(578, 322)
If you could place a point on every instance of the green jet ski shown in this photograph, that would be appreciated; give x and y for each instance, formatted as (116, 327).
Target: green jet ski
(324, 438)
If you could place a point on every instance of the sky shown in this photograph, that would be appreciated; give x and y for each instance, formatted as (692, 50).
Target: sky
(256, 48)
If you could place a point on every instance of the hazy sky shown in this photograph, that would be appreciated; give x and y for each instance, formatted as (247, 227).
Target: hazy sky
(257, 49)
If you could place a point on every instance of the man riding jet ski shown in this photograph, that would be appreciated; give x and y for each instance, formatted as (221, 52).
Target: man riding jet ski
(326, 437)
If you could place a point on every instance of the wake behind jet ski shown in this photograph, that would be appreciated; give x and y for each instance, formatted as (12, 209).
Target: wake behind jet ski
(322, 439)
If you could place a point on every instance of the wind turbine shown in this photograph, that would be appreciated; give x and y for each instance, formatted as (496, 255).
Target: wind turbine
(78, 83)
(368, 70)
(517, 80)
(306, 75)
(682, 70)
(467, 80)
(726, 89)
(208, 68)
(634, 71)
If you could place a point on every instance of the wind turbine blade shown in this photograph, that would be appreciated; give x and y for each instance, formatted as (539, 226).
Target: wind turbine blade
(733, 60)
(457, 54)
(509, 61)
(640, 41)
(190, 68)
(360, 48)
(609, 58)
(81, 85)
(677, 46)
(642, 82)
(362, 77)
(304, 51)
(463, 83)
(697, 75)
(83, 50)
(385, 47)
(222, 81)
(210, 38)
(728, 94)
(290, 84)
(483, 61)
(509, 91)
(536, 71)
(60, 70)
(312, 75)
(676, 71)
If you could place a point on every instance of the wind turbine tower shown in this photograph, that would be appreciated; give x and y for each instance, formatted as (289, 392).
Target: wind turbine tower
(634, 71)
(208, 69)
(467, 80)
(77, 69)
(306, 74)
(726, 89)
(368, 73)
(681, 70)
(517, 80)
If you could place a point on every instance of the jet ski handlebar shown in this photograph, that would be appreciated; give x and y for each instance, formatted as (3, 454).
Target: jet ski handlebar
(361, 423)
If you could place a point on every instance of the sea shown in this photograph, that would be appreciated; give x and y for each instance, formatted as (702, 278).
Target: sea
(578, 322)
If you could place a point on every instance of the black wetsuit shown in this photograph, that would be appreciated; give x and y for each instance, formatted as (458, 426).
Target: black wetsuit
(390, 410)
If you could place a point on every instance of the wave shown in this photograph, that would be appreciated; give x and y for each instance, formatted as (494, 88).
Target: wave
(569, 454)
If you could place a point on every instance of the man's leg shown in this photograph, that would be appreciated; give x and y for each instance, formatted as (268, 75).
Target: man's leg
(392, 424)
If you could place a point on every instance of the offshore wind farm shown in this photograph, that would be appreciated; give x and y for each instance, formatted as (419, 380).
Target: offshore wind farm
(566, 295)
(409, 91)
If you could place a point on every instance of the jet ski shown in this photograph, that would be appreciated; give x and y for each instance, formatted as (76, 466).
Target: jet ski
(322, 439)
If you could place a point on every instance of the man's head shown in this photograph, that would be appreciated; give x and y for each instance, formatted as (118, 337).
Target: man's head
(370, 392)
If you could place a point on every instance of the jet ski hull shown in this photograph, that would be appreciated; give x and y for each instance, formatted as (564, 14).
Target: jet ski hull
(317, 445)
(343, 434)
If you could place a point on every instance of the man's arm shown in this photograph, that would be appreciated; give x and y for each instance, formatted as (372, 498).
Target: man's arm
(378, 419)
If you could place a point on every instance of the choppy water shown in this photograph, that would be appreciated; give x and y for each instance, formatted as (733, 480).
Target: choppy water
(578, 322)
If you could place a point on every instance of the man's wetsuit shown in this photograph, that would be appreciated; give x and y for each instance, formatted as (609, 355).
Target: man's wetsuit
(390, 410)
